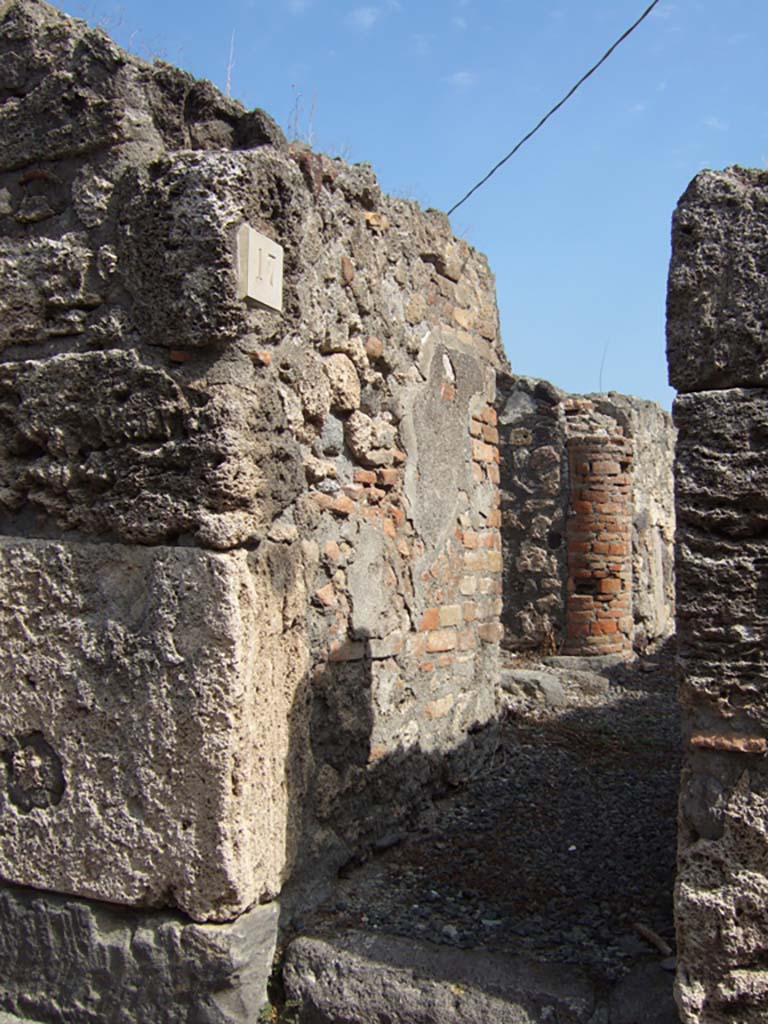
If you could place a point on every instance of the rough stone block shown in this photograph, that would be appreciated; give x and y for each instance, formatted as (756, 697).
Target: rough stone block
(92, 96)
(151, 751)
(81, 962)
(723, 625)
(104, 444)
(44, 291)
(68, 81)
(717, 300)
(721, 471)
(721, 892)
(356, 976)
(177, 241)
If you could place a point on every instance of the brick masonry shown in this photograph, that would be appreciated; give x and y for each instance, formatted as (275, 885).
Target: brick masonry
(599, 587)
(536, 421)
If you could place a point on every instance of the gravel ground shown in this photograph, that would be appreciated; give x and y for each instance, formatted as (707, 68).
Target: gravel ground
(561, 849)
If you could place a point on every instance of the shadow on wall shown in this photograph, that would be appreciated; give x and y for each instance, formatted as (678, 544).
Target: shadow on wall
(356, 795)
(570, 883)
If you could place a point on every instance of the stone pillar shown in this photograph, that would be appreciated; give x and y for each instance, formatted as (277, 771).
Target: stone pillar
(599, 588)
(717, 347)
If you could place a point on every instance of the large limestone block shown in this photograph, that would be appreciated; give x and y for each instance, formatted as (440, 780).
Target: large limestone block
(361, 976)
(721, 471)
(722, 630)
(151, 750)
(105, 444)
(80, 962)
(717, 301)
(177, 242)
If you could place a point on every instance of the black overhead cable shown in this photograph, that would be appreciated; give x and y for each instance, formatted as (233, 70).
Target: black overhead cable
(557, 106)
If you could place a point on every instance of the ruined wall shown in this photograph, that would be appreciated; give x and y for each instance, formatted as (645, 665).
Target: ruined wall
(534, 505)
(251, 566)
(717, 317)
(537, 423)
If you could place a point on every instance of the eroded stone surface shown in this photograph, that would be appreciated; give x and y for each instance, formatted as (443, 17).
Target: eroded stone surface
(146, 713)
(717, 302)
(146, 458)
(721, 477)
(716, 343)
(142, 402)
(356, 976)
(92, 96)
(155, 966)
(721, 891)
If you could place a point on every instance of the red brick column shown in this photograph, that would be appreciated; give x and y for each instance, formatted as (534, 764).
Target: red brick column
(599, 592)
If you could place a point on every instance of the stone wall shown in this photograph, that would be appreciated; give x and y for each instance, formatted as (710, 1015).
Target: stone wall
(534, 505)
(537, 423)
(717, 316)
(251, 556)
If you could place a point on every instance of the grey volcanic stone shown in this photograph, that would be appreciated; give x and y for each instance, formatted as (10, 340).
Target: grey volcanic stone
(543, 686)
(44, 289)
(534, 485)
(717, 301)
(718, 315)
(356, 976)
(190, 205)
(644, 996)
(91, 96)
(69, 81)
(722, 507)
(721, 476)
(78, 962)
(720, 897)
(144, 458)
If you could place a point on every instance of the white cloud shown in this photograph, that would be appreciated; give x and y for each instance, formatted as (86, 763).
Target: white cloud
(458, 22)
(461, 80)
(364, 18)
(715, 124)
(638, 108)
(420, 44)
(298, 6)
(665, 11)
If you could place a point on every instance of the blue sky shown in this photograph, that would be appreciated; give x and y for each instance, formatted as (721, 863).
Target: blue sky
(432, 94)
